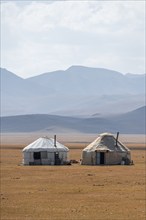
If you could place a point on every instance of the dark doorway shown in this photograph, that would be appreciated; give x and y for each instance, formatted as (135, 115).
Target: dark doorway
(101, 158)
(37, 158)
(37, 155)
(57, 159)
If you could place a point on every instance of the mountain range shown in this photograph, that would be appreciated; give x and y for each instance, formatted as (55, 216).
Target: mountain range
(76, 92)
(128, 123)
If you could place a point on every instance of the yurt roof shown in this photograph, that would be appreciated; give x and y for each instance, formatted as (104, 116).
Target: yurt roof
(45, 144)
(106, 142)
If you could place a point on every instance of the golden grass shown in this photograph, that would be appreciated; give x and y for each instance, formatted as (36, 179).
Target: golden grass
(71, 192)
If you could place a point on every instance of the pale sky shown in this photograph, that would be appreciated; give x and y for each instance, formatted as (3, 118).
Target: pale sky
(43, 36)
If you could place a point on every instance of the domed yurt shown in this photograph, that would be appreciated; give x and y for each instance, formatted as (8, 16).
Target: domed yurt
(106, 150)
(45, 151)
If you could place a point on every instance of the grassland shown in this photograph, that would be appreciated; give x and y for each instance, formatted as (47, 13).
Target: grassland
(72, 192)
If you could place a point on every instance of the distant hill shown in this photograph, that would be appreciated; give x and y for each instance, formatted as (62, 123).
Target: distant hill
(77, 91)
(17, 95)
(83, 80)
(134, 121)
(130, 123)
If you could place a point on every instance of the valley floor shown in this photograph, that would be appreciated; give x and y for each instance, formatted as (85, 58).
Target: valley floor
(72, 192)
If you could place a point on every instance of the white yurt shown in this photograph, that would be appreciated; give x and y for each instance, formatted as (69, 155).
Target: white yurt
(106, 150)
(45, 151)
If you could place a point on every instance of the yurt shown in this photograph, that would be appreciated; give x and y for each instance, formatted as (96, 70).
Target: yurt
(106, 150)
(45, 151)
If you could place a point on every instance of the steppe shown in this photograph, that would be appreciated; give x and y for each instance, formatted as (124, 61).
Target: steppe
(72, 192)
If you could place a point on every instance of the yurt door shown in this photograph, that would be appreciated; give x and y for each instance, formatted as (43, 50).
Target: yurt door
(57, 159)
(99, 158)
(37, 157)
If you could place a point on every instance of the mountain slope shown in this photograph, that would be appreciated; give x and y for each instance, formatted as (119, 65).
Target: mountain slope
(11, 84)
(75, 91)
(133, 121)
(130, 123)
(99, 81)
(18, 95)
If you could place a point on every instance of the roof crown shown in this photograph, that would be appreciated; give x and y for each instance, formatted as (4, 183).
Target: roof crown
(45, 144)
(106, 142)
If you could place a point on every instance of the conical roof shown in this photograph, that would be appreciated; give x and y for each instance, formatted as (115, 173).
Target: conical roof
(106, 142)
(45, 144)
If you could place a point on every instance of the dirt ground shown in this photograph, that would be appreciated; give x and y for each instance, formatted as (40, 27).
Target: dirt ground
(72, 192)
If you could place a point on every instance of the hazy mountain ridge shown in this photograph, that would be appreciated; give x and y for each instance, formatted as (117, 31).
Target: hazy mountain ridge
(96, 80)
(130, 123)
(75, 91)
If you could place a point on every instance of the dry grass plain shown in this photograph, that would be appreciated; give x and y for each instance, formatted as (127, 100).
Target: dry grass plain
(72, 192)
